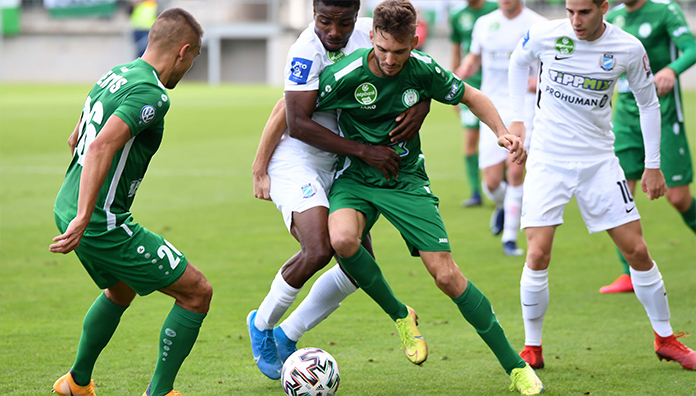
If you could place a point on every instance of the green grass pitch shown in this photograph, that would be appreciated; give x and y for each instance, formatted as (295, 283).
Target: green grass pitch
(198, 194)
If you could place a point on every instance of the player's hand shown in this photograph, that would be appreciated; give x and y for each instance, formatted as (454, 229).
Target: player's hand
(70, 240)
(514, 146)
(410, 122)
(464, 71)
(664, 81)
(653, 183)
(262, 186)
(384, 159)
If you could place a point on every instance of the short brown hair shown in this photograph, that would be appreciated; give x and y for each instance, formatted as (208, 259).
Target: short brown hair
(396, 17)
(174, 26)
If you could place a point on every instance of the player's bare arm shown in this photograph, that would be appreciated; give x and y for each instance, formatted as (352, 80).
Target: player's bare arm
(484, 110)
(299, 109)
(469, 67)
(410, 121)
(272, 132)
(97, 163)
(72, 140)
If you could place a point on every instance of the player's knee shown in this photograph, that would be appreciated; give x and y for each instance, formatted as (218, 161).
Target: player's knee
(637, 253)
(450, 280)
(314, 258)
(678, 199)
(537, 258)
(345, 245)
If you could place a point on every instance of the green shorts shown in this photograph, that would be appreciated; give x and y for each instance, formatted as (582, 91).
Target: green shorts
(468, 119)
(131, 253)
(675, 157)
(412, 211)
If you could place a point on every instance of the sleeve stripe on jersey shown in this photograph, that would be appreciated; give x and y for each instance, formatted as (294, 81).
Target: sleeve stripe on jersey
(422, 58)
(351, 66)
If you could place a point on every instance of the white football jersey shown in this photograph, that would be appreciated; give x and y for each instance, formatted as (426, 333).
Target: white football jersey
(494, 38)
(576, 82)
(307, 58)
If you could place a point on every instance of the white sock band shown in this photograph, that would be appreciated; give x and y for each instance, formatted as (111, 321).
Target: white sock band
(497, 195)
(513, 206)
(534, 295)
(325, 296)
(279, 299)
(650, 290)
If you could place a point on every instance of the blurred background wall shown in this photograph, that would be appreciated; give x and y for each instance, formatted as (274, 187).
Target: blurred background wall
(246, 41)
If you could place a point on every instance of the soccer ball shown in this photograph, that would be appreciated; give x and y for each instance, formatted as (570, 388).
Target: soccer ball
(310, 372)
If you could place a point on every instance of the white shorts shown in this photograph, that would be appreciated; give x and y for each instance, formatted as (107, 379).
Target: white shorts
(300, 185)
(600, 190)
(489, 152)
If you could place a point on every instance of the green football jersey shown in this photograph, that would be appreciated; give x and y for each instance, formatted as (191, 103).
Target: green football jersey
(461, 27)
(134, 93)
(368, 106)
(661, 28)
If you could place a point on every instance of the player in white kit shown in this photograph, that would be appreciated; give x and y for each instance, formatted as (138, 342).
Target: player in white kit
(582, 58)
(494, 38)
(297, 177)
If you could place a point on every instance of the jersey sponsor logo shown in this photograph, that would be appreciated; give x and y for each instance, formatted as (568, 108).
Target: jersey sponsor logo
(410, 97)
(147, 114)
(607, 62)
(366, 93)
(593, 102)
(619, 21)
(453, 91)
(299, 70)
(400, 148)
(525, 39)
(564, 45)
(578, 81)
(308, 191)
(133, 188)
(644, 30)
(335, 56)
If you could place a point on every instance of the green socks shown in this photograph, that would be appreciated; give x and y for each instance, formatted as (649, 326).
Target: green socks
(97, 328)
(364, 269)
(690, 215)
(624, 263)
(472, 172)
(478, 312)
(178, 334)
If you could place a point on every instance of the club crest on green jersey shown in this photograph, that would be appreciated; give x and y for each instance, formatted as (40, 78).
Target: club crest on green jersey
(644, 30)
(366, 93)
(466, 21)
(410, 97)
(619, 21)
(336, 56)
(565, 46)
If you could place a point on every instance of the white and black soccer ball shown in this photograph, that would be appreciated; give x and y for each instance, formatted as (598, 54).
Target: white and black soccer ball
(310, 372)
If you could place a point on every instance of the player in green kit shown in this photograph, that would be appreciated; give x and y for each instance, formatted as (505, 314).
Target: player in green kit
(661, 27)
(462, 21)
(120, 129)
(369, 88)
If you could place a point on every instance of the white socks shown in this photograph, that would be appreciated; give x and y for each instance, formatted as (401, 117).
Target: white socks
(278, 300)
(497, 195)
(650, 290)
(534, 295)
(324, 297)
(513, 206)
